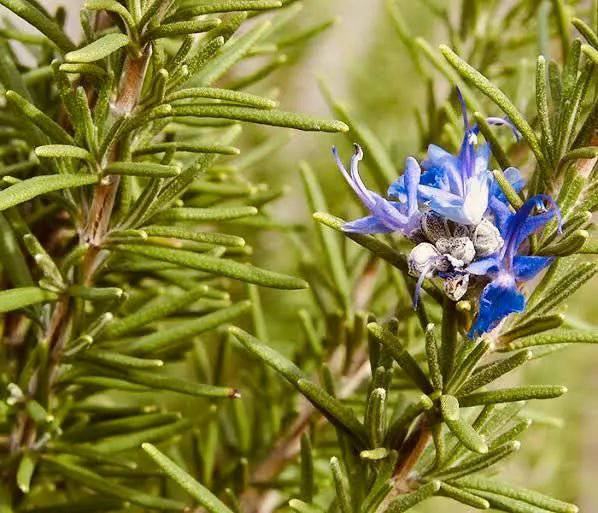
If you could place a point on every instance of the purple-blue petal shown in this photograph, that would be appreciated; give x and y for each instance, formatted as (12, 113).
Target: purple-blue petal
(502, 213)
(499, 299)
(369, 224)
(527, 267)
(412, 178)
(484, 266)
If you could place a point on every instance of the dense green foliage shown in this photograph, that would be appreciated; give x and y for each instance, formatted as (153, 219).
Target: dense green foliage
(125, 381)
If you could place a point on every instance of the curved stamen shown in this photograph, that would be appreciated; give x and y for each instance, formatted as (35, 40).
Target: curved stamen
(364, 196)
(504, 122)
(355, 159)
(420, 280)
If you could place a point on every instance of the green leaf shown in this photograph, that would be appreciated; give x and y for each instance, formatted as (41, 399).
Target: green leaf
(186, 147)
(555, 337)
(330, 407)
(337, 413)
(563, 287)
(521, 494)
(112, 6)
(185, 330)
(216, 6)
(100, 48)
(463, 496)
(214, 93)
(38, 185)
(10, 77)
(46, 124)
(82, 68)
(307, 469)
(506, 187)
(433, 358)
(163, 306)
(497, 96)
(268, 355)
(95, 293)
(14, 299)
(375, 416)
(509, 395)
(465, 433)
(104, 429)
(178, 232)
(206, 214)
(262, 117)
(464, 370)
(133, 439)
(164, 382)
(201, 494)
(586, 32)
(495, 370)
(402, 356)
(231, 53)
(341, 483)
(406, 501)
(479, 463)
(121, 361)
(217, 266)
(25, 471)
(63, 151)
(150, 169)
(181, 28)
(530, 327)
(13, 260)
(98, 483)
(36, 17)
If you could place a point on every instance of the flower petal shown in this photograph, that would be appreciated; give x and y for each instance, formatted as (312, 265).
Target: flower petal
(484, 266)
(526, 267)
(475, 202)
(499, 299)
(369, 224)
(412, 177)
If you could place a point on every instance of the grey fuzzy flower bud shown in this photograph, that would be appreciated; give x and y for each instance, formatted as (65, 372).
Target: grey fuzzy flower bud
(455, 286)
(486, 239)
(420, 258)
(460, 248)
(434, 226)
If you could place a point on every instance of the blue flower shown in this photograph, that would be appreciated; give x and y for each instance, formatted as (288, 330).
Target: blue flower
(386, 216)
(458, 187)
(507, 268)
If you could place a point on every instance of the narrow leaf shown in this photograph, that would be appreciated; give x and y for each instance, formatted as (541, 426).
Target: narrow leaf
(201, 494)
(14, 299)
(38, 185)
(217, 266)
(509, 395)
(99, 49)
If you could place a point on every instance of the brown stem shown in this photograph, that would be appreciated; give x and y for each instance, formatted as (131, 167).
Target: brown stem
(104, 196)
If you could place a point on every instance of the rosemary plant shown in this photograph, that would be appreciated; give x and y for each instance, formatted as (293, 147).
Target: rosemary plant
(124, 209)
